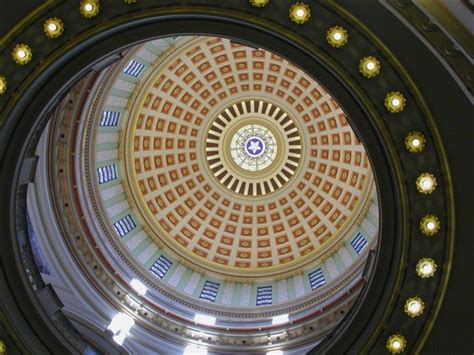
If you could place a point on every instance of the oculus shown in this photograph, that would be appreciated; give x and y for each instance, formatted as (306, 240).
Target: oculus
(253, 147)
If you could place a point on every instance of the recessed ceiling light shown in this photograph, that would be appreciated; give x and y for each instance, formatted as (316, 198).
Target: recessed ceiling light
(337, 36)
(369, 67)
(426, 268)
(258, 3)
(414, 306)
(395, 102)
(396, 343)
(415, 142)
(426, 183)
(429, 225)
(300, 13)
(89, 8)
(53, 27)
(3, 84)
(22, 54)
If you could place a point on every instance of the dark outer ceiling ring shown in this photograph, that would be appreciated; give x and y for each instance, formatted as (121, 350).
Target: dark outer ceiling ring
(366, 326)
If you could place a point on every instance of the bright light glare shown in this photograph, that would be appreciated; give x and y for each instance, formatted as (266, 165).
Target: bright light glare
(204, 319)
(337, 36)
(121, 323)
(414, 307)
(138, 286)
(192, 350)
(427, 268)
(88, 7)
(427, 183)
(300, 12)
(280, 319)
(119, 339)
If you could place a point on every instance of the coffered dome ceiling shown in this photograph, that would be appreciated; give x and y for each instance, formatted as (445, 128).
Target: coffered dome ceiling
(168, 189)
(198, 190)
(224, 178)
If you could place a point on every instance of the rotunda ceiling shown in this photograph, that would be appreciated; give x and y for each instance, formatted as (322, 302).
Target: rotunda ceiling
(239, 162)
(225, 179)
(175, 193)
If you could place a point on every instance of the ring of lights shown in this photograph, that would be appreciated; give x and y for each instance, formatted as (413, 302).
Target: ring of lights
(232, 171)
(394, 132)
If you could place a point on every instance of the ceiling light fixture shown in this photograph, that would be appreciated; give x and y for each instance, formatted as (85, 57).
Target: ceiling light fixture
(300, 13)
(414, 306)
(426, 268)
(415, 142)
(369, 67)
(395, 102)
(396, 343)
(259, 3)
(22, 54)
(3, 85)
(89, 8)
(426, 183)
(337, 36)
(53, 27)
(429, 225)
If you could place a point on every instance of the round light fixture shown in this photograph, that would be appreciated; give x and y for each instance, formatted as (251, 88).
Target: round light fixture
(259, 3)
(22, 54)
(395, 102)
(369, 67)
(414, 306)
(89, 8)
(426, 183)
(429, 225)
(337, 36)
(426, 268)
(300, 13)
(3, 85)
(415, 142)
(396, 343)
(53, 27)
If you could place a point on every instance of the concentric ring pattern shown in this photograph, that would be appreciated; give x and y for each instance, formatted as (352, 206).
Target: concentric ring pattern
(201, 219)
(253, 147)
(259, 123)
